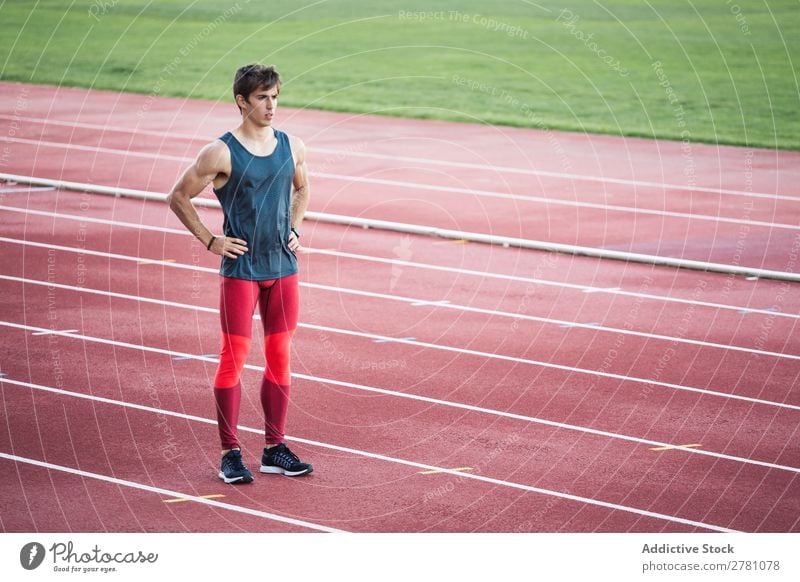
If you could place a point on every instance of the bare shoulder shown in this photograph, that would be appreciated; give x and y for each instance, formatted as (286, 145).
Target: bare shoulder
(214, 158)
(298, 148)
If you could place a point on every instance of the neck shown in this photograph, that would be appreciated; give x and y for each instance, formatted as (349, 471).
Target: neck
(256, 132)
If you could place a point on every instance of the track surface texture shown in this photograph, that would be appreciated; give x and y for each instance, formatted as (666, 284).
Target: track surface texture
(438, 385)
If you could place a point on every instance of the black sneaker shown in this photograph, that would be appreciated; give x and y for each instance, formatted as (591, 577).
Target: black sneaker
(281, 461)
(232, 470)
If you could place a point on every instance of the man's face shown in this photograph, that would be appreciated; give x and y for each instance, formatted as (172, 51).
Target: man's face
(260, 107)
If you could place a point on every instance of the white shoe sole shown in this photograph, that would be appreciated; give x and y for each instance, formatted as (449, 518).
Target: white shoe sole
(272, 470)
(227, 480)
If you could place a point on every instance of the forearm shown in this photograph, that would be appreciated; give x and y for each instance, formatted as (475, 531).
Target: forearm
(300, 199)
(187, 214)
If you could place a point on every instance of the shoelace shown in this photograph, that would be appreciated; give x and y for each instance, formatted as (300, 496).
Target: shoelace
(285, 458)
(235, 463)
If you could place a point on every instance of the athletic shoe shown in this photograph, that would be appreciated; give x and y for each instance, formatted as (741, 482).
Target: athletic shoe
(232, 470)
(281, 461)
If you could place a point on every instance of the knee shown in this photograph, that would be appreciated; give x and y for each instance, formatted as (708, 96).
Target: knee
(232, 358)
(278, 353)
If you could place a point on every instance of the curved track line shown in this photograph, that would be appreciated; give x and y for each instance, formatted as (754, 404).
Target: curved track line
(388, 459)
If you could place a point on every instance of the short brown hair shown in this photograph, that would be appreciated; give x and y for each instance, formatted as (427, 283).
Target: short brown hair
(253, 77)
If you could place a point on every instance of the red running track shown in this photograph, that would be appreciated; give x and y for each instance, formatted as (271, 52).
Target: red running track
(555, 380)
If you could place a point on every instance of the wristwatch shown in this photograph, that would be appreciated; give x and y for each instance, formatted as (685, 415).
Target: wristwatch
(297, 234)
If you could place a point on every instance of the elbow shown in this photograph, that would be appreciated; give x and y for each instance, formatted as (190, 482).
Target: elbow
(172, 200)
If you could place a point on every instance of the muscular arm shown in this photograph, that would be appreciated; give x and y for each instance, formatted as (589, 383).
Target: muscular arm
(212, 161)
(302, 193)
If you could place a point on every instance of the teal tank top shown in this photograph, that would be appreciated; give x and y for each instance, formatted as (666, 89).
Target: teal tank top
(256, 203)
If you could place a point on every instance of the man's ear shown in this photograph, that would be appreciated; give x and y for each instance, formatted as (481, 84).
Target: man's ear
(241, 101)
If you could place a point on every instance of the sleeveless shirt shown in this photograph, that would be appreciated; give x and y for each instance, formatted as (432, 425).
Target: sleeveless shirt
(256, 204)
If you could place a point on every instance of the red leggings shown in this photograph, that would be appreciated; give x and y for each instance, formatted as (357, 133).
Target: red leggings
(278, 301)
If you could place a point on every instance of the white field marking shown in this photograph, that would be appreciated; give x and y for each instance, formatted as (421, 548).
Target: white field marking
(182, 499)
(426, 161)
(446, 403)
(166, 492)
(394, 460)
(416, 302)
(156, 261)
(211, 357)
(430, 187)
(456, 270)
(412, 341)
(543, 282)
(49, 331)
(419, 302)
(439, 472)
(676, 447)
(430, 231)
(95, 149)
(26, 190)
(552, 201)
(374, 337)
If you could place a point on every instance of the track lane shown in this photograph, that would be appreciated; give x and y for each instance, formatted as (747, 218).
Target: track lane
(533, 272)
(765, 248)
(376, 433)
(165, 273)
(326, 504)
(156, 276)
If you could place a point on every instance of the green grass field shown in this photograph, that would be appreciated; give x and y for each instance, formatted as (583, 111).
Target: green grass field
(706, 70)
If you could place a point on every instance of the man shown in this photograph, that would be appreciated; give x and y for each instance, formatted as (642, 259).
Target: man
(253, 170)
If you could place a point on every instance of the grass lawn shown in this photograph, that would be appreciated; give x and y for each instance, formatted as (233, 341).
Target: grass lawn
(705, 70)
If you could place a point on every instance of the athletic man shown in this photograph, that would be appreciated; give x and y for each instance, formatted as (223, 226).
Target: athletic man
(260, 178)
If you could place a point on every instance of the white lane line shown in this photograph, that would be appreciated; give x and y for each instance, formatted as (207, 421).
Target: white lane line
(446, 403)
(427, 266)
(50, 331)
(444, 304)
(94, 149)
(427, 161)
(210, 357)
(422, 302)
(429, 187)
(93, 220)
(394, 460)
(569, 176)
(411, 341)
(601, 290)
(562, 367)
(543, 282)
(26, 190)
(552, 201)
(166, 492)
